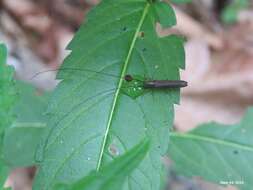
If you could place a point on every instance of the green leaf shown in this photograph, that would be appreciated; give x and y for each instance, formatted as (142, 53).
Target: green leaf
(21, 113)
(7, 100)
(230, 13)
(28, 127)
(113, 175)
(4, 171)
(7, 91)
(218, 153)
(21, 142)
(31, 105)
(92, 120)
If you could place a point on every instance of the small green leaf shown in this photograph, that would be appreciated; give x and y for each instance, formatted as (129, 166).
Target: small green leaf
(32, 103)
(230, 13)
(27, 128)
(218, 153)
(7, 100)
(8, 95)
(113, 175)
(21, 141)
(18, 103)
(4, 171)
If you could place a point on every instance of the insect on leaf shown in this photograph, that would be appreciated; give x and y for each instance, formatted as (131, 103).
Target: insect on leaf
(218, 153)
(92, 119)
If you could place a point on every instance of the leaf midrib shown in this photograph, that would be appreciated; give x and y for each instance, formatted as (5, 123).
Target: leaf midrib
(211, 140)
(123, 73)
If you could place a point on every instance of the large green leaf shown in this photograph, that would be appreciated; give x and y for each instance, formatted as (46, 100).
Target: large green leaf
(113, 175)
(218, 153)
(92, 120)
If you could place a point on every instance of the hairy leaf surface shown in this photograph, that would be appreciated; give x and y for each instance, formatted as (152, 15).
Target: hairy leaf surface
(218, 153)
(92, 120)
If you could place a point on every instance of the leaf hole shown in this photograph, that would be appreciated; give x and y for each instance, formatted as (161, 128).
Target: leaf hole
(235, 152)
(113, 150)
